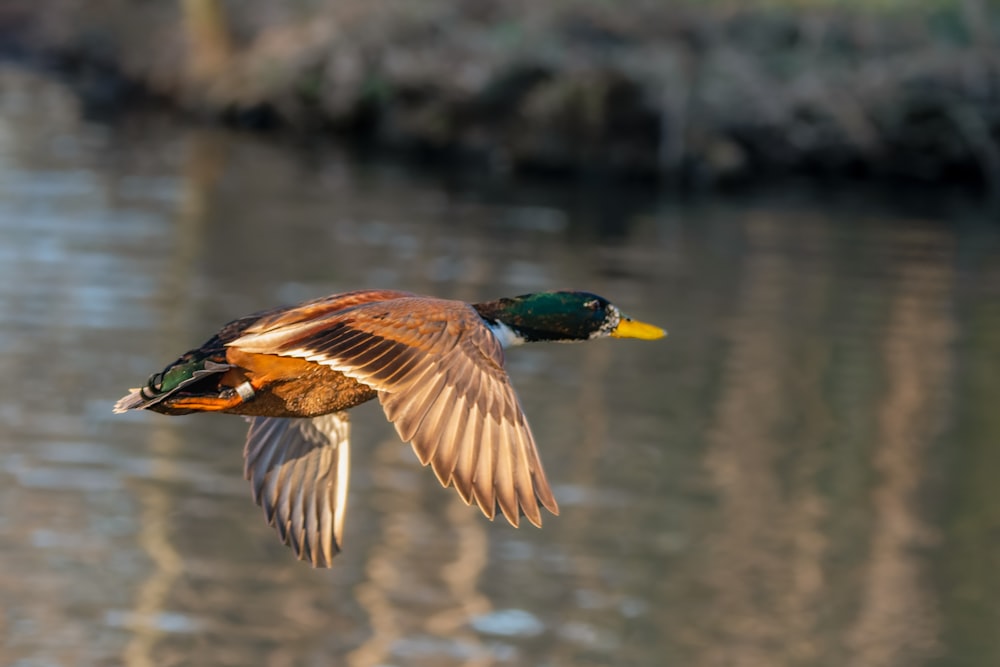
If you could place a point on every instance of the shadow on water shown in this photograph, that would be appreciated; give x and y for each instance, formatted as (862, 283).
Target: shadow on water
(802, 474)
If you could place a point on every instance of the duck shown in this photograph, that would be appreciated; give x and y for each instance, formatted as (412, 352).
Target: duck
(436, 367)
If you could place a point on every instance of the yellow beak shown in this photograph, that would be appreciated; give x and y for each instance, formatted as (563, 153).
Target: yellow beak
(628, 328)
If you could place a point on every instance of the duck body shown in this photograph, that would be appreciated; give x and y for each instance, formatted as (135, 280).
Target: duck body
(435, 365)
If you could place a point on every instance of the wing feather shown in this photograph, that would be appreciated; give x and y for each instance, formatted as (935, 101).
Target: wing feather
(412, 412)
(465, 468)
(486, 474)
(506, 486)
(405, 361)
(369, 353)
(521, 479)
(437, 419)
(446, 452)
(298, 470)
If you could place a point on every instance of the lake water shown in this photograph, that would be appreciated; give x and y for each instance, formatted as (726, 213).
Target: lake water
(804, 473)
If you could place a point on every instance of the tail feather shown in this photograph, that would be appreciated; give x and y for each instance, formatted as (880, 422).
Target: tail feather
(132, 401)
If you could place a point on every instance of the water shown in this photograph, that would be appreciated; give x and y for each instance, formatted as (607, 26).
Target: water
(803, 473)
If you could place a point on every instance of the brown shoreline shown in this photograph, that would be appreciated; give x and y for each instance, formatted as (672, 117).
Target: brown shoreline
(701, 95)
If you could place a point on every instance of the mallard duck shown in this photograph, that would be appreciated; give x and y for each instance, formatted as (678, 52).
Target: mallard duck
(435, 365)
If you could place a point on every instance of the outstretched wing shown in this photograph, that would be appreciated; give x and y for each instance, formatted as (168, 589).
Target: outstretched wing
(439, 375)
(299, 471)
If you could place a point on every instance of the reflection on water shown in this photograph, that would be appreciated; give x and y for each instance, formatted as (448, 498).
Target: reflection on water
(802, 474)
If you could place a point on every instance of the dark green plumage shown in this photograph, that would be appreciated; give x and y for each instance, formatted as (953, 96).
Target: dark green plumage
(565, 316)
(177, 375)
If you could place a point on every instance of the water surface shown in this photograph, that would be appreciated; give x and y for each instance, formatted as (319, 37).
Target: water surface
(803, 473)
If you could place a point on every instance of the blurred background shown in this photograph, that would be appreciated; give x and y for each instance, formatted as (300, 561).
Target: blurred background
(803, 192)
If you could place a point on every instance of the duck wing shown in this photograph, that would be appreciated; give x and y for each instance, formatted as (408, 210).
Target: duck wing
(439, 375)
(299, 471)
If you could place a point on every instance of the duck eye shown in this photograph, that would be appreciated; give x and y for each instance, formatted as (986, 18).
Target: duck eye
(593, 304)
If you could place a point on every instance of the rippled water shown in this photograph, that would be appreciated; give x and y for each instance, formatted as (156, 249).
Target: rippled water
(804, 473)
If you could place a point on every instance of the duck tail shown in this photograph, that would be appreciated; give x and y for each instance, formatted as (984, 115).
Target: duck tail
(183, 372)
(134, 400)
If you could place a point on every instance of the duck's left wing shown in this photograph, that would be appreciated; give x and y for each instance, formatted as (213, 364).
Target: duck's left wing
(299, 471)
(439, 375)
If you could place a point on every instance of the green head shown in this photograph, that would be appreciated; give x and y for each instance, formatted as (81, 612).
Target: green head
(561, 316)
